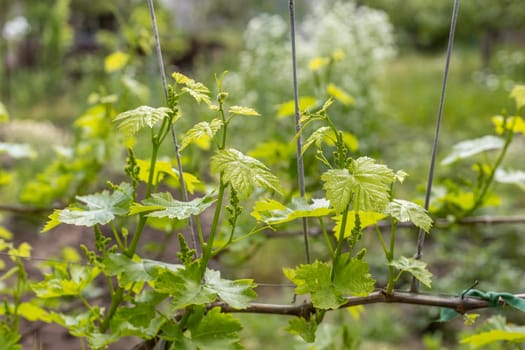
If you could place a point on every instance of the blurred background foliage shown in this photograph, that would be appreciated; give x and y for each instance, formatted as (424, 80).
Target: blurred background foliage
(382, 60)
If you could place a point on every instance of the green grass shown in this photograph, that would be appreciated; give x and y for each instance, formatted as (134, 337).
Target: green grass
(411, 87)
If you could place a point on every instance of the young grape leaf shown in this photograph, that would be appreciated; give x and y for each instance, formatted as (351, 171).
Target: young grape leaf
(32, 312)
(340, 95)
(273, 212)
(197, 90)
(288, 108)
(128, 270)
(350, 279)
(162, 167)
(79, 277)
(246, 111)
(97, 340)
(238, 294)
(365, 183)
(353, 278)
(130, 122)
(493, 336)
(405, 211)
(417, 268)
(367, 218)
(339, 186)
(139, 320)
(99, 208)
(115, 61)
(315, 279)
(184, 285)
(317, 137)
(201, 134)
(216, 330)
(469, 148)
(303, 328)
(518, 94)
(242, 172)
(162, 205)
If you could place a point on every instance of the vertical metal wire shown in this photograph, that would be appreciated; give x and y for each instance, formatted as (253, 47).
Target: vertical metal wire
(421, 238)
(299, 145)
(160, 62)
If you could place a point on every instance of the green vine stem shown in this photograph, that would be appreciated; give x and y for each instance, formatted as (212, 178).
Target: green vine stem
(208, 247)
(490, 179)
(340, 240)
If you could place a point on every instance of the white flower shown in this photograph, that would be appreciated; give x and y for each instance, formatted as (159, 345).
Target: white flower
(16, 28)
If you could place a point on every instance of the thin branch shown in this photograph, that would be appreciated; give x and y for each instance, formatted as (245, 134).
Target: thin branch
(461, 305)
(305, 310)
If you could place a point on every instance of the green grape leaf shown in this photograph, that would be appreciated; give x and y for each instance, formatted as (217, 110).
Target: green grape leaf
(372, 184)
(216, 330)
(128, 270)
(238, 294)
(272, 212)
(5, 234)
(98, 340)
(79, 278)
(416, 268)
(317, 137)
(99, 208)
(115, 61)
(163, 204)
(17, 150)
(351, 278)
(367, 218)
(365, 183)
(405, 211)
(201, 134)
(162, 167)
(515, 177)
(495, 335)
(4, 115)
(139, 320)
(303, 328)
(315, 279)
(468, 148)
(130, 122)
(10, 340)
(288, 108)
(242, 172)
(197, 90)
(32, 312)
(339, 184)
(184, 285)
(340, 95)
(246, 111)
(326, 134)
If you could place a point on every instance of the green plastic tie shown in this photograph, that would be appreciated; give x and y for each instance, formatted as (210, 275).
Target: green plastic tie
(493, 299)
